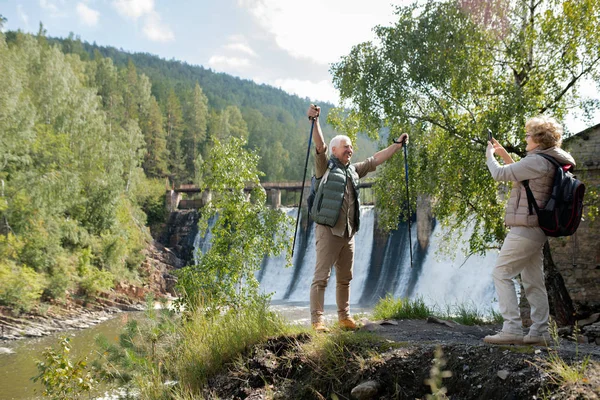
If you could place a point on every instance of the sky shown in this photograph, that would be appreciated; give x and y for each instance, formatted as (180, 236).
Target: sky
(289, 44)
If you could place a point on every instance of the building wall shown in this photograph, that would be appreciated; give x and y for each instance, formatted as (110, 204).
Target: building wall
(578, 257)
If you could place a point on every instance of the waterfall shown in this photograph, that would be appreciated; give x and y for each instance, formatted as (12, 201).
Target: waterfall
(382, 266)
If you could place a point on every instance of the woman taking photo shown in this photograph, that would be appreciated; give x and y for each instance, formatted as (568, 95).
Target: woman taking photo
(521, 251)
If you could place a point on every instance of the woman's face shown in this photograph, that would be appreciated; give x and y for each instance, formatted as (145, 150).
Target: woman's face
(530, 143)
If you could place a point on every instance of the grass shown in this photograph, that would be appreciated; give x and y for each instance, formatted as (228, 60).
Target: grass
(465, 314)
(391, 308)
(340, 359)
(187, 348)
(560, 372)
(208, 343)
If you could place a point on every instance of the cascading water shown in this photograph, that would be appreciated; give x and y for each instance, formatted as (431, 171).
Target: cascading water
(382, 266)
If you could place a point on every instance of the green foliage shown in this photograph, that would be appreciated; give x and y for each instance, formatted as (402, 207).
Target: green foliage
(243, 232)
(445, 71)
(92, 280)
(150, 195)
(144, 347)
(391, 308)
(20, 287)
(62, 377)
(164, 347)
(466, 314)
(208, 343)
(70, 157)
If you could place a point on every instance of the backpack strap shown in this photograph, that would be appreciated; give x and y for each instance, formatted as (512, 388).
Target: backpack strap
(531, 199)
(330, 166)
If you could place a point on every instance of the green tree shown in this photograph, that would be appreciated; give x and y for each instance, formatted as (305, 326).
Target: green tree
(230, 124)
(69, 164)
(244, 231)
(174, 130)
(445, 71)
(62, 377)
(194, 135)
(156, 156)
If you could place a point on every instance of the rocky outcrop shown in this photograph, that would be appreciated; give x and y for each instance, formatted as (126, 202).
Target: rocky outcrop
(180, 233)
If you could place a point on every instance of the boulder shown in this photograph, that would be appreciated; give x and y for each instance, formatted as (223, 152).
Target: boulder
(365, 391)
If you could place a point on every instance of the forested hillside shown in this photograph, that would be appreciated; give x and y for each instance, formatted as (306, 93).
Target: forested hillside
(199, 104)
(89, 137)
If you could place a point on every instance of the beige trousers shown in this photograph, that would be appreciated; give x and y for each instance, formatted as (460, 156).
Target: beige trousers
(331, 251)
(520, 255)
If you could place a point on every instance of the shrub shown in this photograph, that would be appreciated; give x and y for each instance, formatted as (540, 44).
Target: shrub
(61, 377)
(91, 279)
(20, 286)
(150, 195)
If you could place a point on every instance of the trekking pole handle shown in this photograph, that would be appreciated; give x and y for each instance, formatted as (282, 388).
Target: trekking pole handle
(402, 142)
(314, 118)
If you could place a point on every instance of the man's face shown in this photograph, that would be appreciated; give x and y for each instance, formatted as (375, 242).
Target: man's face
(343, 151)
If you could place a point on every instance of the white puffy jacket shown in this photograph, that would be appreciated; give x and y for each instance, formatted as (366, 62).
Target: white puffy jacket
(539, 172)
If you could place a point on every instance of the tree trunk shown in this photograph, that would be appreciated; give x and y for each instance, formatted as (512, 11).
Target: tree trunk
(561, 306)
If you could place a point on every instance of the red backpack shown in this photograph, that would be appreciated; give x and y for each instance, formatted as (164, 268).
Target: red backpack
(562, 214)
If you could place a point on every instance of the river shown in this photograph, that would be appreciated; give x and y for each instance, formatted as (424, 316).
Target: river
(381, 267)
(19, 366)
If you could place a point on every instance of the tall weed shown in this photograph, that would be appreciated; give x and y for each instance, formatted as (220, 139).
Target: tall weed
(208, 341)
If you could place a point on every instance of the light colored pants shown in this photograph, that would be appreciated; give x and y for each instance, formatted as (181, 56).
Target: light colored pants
(331, 251)
(520, 255)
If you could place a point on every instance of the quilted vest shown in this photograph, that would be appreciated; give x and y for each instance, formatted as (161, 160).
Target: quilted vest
(330, 195)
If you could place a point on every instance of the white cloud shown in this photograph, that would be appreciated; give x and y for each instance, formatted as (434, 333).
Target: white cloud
(53, 8)
(156, 30)
(22, 15)
(323, 90)
(133, 9)
(241, 47)
(48, 5)
(87, 15)
(228, 63)
(153, 26)
(324, 32)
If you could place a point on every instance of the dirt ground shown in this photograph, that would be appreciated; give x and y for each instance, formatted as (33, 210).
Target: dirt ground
(398, 356)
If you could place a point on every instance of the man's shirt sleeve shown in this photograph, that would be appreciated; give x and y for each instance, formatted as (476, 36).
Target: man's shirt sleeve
(321, 162)
(364, 167)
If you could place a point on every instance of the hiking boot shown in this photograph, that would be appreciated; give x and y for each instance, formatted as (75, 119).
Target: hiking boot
(320, 327)
(348, 323)
(533, 340)
(504, 338)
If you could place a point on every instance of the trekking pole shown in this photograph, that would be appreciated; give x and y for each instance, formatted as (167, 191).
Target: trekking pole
(407, 200)
(303, 181)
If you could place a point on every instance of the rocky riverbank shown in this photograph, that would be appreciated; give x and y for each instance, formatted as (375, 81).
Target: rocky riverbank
(79, 313)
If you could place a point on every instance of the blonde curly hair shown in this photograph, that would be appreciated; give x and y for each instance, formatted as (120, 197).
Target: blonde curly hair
(545, 131)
